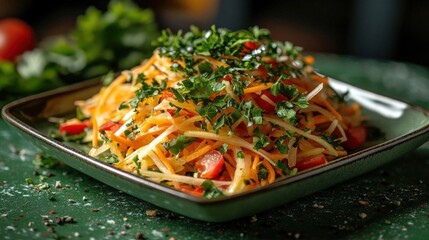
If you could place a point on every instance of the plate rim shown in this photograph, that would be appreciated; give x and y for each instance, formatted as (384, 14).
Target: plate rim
(11, 119)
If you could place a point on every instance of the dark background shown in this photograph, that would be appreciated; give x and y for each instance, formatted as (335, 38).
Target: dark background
(381, 29)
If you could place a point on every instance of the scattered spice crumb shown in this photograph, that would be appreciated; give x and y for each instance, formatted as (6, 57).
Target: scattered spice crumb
(127, 226)
(11, 228)
(397, 203)
(71, 201)
(166, 229)
(253, 219)
(139, 236)
(95, 210)
(69, 220)
(318, 206)
(62, 220)
(170, 215)
(52, 212)
(30, 224)
(84, 198)
(46, 220)
(51, 229)
(297, 235)
(124, 219)
(57, 184)
(172, 238)
(111, 232)
(110, 221)
(241, 234)
(157, 233)
(76, 234)
(151, 213)
(363, 203)
(363, 215)
(123, 233)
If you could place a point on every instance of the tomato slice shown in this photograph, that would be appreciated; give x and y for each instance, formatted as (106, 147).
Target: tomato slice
(311, 162)
(110, 126)
(210, 165)
(249, 46)
(264, 104)
(356, 136)
(73, 128)
(192, 190)
(227, 77)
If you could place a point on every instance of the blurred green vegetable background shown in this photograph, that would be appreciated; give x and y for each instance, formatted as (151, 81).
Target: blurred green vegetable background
(116, 39)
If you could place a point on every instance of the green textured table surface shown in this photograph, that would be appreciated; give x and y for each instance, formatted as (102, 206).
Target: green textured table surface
(391, 202)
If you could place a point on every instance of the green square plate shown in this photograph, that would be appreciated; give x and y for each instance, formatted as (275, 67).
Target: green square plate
(405, 128)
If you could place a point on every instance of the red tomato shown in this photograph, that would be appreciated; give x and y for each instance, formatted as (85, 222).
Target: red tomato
(356, 136)
(310, 162)
(262, 71)
(227, 78)
(249, 46)
(210, 165)
(195, 191)
(224, 176)
(73, 128)
(16, 37)
(241, 130)
(266, 106)
(110, 126)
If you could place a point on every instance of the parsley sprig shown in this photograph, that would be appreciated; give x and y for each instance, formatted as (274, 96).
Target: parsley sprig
(244, 53)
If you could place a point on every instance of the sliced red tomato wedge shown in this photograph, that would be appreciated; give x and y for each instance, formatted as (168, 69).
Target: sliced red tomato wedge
(249, 46)
(264, 104)
(356, 136)
(227, 78)
(73, 128)
(311, 162)
(110, 126)
(192, 190)
(210, 165)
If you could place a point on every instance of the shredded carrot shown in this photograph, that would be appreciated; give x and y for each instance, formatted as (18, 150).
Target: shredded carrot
(164, 160)
(257, 88)
(168, 126)
(309, 60)
(230, 169)
(319, 119)
(94, 131)
(120, 139)
(320, 79)
(197, 154)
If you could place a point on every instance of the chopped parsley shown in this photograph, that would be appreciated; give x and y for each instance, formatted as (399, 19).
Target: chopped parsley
(138, 164)
(210, 190)
(146, 90)
(285, 169)
(263, 173)
(176, 145)
(205, 84)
